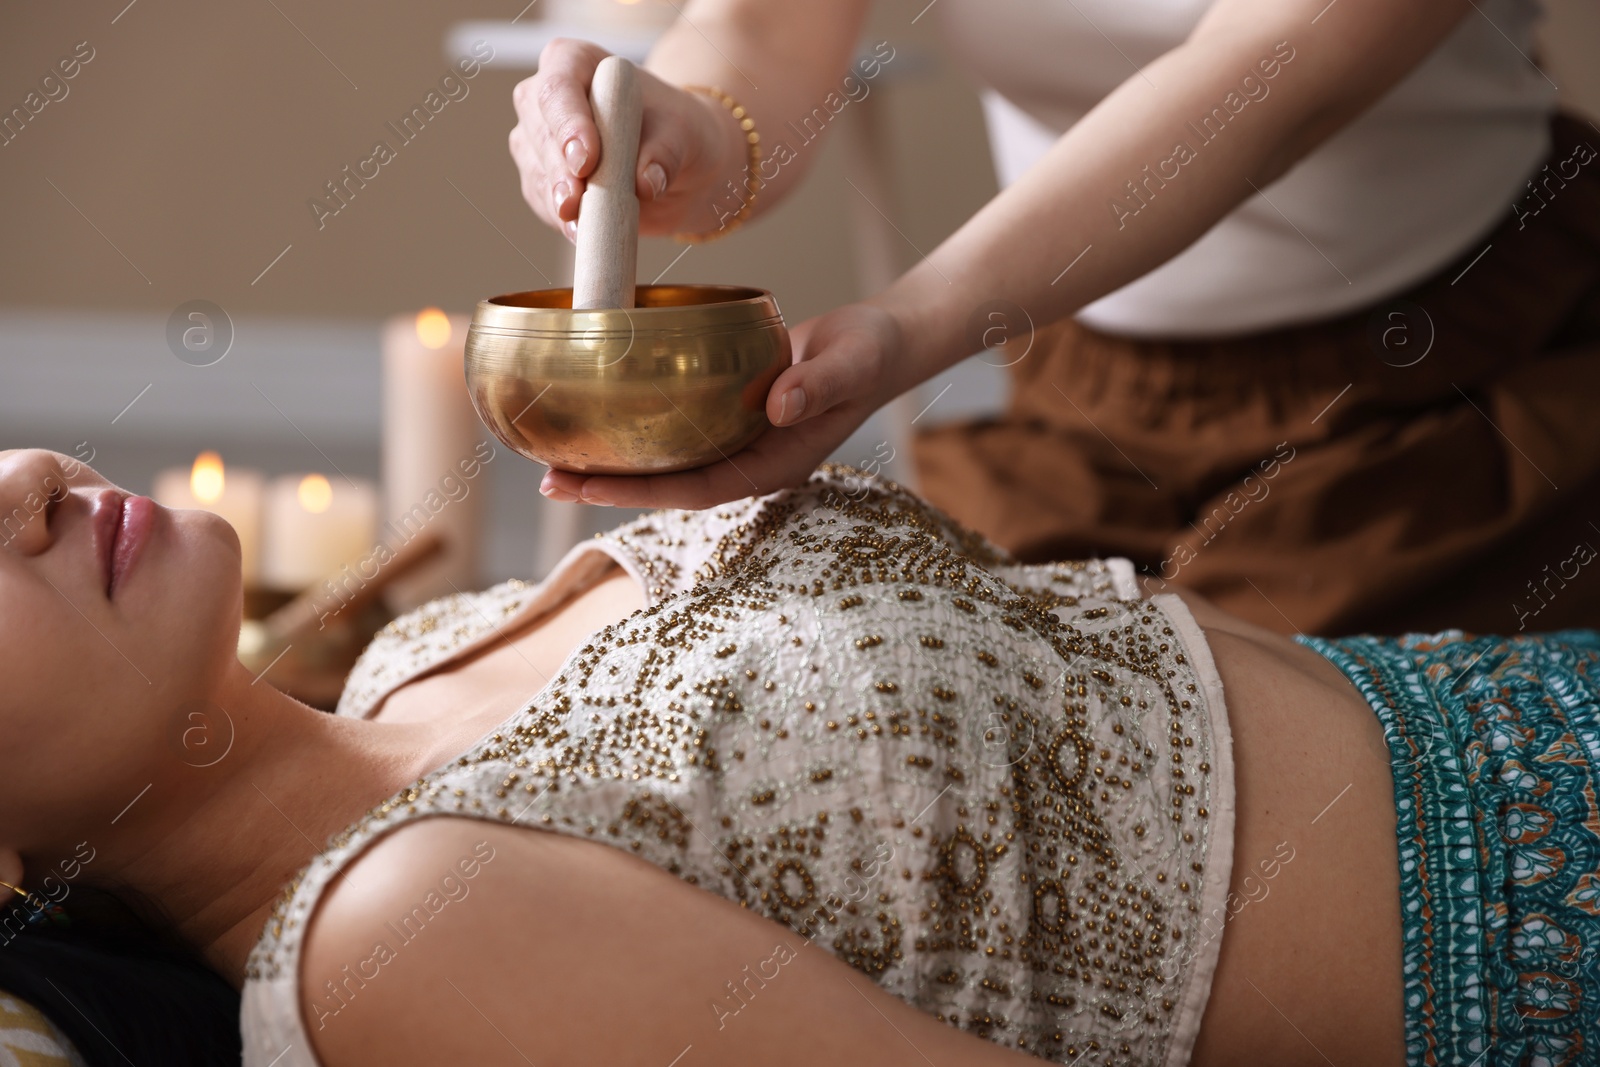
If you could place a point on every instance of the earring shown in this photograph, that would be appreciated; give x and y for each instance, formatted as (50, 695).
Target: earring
(39, 911)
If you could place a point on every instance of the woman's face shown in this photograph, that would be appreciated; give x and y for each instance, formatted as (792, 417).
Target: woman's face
(116, 617)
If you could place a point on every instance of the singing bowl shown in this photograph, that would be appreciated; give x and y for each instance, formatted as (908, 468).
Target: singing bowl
(676, 382)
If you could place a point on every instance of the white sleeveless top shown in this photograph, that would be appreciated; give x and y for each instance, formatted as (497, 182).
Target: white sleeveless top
(1003, 792)
(1408, 186)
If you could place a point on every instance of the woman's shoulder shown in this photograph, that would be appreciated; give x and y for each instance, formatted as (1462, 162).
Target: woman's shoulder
(455, 940)
(410, 907)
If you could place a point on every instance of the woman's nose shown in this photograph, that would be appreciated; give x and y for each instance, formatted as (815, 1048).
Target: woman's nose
(32, 486)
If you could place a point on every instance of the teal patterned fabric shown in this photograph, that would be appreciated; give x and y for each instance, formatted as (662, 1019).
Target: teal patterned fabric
(1494, 744)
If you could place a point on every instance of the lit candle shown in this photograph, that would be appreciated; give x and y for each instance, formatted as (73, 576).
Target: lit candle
(314, 526)
(233, 494)
(433, 459)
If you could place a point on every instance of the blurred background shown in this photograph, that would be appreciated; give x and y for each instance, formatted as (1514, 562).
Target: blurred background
(173, 175)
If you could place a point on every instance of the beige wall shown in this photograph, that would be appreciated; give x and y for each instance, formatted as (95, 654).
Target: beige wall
(194, 138)
(197, 133)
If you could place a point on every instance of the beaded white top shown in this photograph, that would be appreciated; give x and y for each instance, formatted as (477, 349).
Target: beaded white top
(1003, 792)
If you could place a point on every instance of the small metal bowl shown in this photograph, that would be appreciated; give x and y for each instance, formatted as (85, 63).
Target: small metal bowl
(676, 382)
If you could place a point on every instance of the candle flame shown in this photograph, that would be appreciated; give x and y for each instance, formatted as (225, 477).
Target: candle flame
(433, 328)
(316, 495)
(207, 478)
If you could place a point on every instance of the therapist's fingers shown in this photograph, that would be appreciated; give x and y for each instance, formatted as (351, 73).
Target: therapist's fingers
(686, 143)
(556, 144)
(840, 358)
(665, 132)
(548, 198)
(780, 458)
(566, 70)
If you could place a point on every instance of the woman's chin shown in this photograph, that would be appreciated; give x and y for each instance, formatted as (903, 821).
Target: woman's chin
(203, 575)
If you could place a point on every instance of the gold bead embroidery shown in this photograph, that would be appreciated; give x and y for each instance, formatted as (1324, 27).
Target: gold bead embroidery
(1014, 799)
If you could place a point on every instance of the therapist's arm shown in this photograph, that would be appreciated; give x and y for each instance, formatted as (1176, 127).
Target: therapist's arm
(1329, 62)
(1017, 246)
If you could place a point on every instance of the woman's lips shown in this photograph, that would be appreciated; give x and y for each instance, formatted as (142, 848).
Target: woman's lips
(138, 519)
(105, 519)
(122, 525)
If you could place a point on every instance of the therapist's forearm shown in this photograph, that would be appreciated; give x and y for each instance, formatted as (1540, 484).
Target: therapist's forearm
(1054, 241)
(778, 59)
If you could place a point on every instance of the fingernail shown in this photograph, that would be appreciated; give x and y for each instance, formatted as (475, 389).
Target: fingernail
(791, 406)
(576, 154)
(656, 175)
(571, 229)
(559, 195)
(597, 501)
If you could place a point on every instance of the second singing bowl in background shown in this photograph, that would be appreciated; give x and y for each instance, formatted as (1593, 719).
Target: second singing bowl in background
(676, 382)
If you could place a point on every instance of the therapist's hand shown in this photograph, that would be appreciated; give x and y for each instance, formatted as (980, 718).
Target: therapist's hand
(689, 145)
(843, 370)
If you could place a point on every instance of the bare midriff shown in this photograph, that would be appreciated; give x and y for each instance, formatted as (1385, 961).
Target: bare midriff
(1310, 966)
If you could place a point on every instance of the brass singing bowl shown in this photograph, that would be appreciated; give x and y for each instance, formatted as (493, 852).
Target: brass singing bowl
(676, 382)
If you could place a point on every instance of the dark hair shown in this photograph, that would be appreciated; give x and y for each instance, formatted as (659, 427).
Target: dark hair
(121, 989)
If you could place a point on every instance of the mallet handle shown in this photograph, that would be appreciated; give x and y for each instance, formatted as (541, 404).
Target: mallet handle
(606, 262)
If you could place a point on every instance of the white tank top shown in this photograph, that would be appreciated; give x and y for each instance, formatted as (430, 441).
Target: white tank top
(1414, 182)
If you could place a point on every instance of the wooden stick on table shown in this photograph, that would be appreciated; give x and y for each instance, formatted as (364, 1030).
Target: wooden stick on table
(309, 609)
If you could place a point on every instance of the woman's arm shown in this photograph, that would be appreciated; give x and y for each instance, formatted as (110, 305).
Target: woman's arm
(1159, 161)
(779, 60)
(560, 951)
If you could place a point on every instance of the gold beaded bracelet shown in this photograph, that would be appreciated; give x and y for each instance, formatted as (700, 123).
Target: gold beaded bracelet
(753, 139)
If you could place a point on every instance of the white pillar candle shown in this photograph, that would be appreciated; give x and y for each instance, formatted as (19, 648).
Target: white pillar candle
(230, 492)
(433, 455)
(314, 526)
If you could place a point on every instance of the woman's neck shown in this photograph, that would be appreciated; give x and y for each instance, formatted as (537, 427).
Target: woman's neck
(214, 846)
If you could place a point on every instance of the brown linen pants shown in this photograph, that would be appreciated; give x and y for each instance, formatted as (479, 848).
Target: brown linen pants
(1432, 461)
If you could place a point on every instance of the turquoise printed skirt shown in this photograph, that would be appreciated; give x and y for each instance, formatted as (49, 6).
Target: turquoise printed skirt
(1494, 743)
